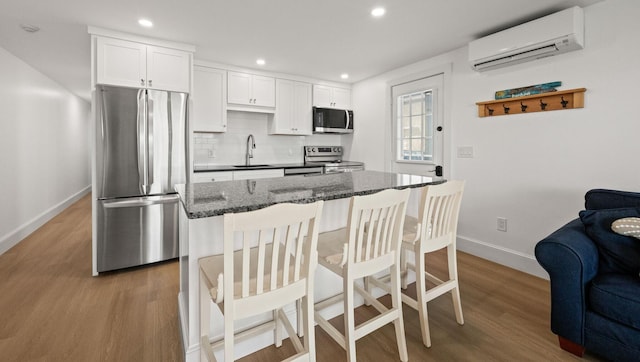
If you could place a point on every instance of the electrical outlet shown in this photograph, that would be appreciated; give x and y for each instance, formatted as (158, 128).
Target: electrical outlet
(502, 224)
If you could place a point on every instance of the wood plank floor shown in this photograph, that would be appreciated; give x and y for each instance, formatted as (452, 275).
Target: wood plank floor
(52, 309)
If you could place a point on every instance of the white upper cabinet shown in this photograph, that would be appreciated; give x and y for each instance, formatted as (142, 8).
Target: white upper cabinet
(168, 69)
(293, 108)
(331, 97)
(251, 90)
(131, 64)
(209, 108)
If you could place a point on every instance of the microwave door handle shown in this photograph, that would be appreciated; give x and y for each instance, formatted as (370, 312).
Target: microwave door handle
(140, 139)
(348, 119)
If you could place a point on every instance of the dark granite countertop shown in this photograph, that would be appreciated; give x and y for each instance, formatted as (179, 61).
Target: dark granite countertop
(217, 198)
(216, 168)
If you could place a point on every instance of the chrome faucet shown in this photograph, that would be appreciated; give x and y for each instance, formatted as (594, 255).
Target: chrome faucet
(251, 145)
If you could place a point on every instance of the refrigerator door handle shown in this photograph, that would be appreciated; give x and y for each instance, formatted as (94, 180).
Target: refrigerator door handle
(150, 136)
(103, 138)
(141, 201)
(141, 141)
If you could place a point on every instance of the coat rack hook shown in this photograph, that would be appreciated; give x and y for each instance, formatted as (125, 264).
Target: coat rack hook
(506, 109)
(523, 107)
(490, 111)
(542, 105)
(564, 103)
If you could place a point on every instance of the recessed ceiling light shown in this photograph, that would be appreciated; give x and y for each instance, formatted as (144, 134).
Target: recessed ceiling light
(29, 28)
(260, 61)
(145, 22)
(378, 12)
(344, 76)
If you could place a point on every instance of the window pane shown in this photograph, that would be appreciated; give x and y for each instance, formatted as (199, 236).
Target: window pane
(406, 127)
(406, 105)
(428, 101)
(428, 149)
(417, 104)
(415, 126)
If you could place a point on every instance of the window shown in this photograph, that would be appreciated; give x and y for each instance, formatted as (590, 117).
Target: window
(416, 126)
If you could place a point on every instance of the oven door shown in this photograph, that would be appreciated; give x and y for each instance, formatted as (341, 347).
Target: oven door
(329, 120)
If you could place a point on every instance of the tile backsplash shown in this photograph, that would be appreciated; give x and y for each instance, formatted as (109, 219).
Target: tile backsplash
(229, 148)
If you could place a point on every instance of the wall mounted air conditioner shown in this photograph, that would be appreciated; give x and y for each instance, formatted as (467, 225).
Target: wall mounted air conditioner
(553, 34)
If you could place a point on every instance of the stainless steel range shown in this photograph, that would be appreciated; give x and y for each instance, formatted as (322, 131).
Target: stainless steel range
(330, 157)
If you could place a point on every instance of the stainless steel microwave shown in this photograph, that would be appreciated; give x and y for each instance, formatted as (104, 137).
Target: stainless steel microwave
(330, 120)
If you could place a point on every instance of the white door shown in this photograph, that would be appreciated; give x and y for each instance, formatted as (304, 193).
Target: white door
(283, 118)
(302, 114)
(321, 96)
(417, 119)
(121, 62)
(209, 110)
(263, 90)
(341, 98)
(168, 69)
(239, 88)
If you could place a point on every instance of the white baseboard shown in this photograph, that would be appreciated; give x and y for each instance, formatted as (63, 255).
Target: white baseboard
(13, 238)
(507, 257)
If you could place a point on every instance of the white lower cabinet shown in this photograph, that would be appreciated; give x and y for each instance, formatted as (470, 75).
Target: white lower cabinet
(256, 174)
(212, 176)
(293, 108)
(236, 175)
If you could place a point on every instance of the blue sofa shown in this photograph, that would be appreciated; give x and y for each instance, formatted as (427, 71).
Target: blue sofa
(595, 281)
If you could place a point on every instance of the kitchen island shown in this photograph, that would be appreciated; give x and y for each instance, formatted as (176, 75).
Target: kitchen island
(203, 205)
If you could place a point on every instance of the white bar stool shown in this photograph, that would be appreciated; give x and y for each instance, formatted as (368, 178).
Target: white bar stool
(369, 244)
(435, 229)
(274, 267)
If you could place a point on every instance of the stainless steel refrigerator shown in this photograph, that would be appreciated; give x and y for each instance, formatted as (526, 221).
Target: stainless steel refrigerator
(140, 156)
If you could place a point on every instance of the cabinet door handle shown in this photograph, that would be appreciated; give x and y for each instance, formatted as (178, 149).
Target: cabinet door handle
(141, 81)
(150, 84)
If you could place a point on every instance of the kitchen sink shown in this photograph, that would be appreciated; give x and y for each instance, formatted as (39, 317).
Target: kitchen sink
(249, 166)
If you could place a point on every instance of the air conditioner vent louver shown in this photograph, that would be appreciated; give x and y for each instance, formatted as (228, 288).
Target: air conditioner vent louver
(551, 35)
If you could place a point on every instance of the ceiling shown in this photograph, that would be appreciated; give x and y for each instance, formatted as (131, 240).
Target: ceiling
(317, 39)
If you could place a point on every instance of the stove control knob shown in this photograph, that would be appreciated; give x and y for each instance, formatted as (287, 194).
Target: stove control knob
(336, 149)
(313, 149)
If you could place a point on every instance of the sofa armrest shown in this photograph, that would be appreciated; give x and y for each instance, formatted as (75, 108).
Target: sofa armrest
(571, 259)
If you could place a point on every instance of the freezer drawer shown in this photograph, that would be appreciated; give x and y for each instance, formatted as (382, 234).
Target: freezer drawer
(136, 231)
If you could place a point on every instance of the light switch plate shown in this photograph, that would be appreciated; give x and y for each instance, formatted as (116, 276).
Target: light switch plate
(465, 152)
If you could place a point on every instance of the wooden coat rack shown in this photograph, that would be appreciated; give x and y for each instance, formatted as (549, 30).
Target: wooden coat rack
(551, 101)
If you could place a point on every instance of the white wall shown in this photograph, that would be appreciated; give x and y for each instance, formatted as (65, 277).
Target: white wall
(44, 154)
(534, 168)
(229, 148)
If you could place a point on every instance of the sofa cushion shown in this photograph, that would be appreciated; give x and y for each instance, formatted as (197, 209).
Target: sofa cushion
(617, 297)
(617, 253)
(597, 199)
